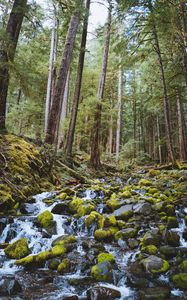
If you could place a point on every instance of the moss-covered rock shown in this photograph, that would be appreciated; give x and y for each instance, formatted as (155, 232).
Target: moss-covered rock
(110, 221)
(145, 182)
(18, 249)
(126, 194)
(53, 264)
(45, 219)
(150, 249)
(62, 196)
(183, 266)
(180, 280)
(172, 222)
(95, 218)
(150, 238)
(85, 209)
(64, 266)
(103, 235)
(75, 204)
(153, 173)
(102, 272)
(126, 234)
(102, 257)
(185, 220)
(58, 250)
(155, 265)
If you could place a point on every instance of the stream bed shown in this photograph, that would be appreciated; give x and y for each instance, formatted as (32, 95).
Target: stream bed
(141, 228)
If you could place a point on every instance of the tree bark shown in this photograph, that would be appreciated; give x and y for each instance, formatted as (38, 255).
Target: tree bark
(119, 116)
(170, 150)
(183, 25)
(71, 130)
(95, 132)
(7, 53)
(181, 130)
(56, 108)
(50, 75)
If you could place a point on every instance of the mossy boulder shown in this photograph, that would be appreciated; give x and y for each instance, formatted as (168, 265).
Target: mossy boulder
(153, 172)
(172, 238)
(45, 220)
(53, 264)
(103, 235)
(110, 221)
(58, 250)
(102, 272)
(126, 234)
(150, 238)
(145, 182)
(85, 209)
(183, 266)
(126, 194)
(180, 280)
(155, 265)
(172, 222)
(62, 196)
(124, 213)
(64, 266)
(150, 249)
(185, 220)
(95, 218)
(102, 257)
(75, 204)
(168, 251)
(113, 202)
(18, 249)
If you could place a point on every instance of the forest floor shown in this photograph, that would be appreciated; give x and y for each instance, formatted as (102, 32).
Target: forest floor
(89, 236)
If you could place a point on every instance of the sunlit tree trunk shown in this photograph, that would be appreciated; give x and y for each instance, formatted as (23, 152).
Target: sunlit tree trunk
(181, 129)
(119, 116)
(159, 140)
(55, 113)
(7, 53)
(73, 118)
(95, 133)
(170, 150)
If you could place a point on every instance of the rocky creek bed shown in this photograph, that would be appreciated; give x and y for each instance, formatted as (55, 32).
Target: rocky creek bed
(114, 239)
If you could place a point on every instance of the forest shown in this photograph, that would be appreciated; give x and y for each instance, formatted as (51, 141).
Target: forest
(93, 149)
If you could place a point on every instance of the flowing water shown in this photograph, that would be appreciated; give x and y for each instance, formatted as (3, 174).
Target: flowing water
(45, 284)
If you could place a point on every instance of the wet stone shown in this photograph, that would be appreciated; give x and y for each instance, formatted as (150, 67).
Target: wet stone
(9, 286)
(142, 208)
(60, 209)
(158, 293)
(103, 293)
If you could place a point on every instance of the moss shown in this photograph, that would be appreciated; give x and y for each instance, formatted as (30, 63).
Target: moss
(113, 202)
(172, 222)
(183, 266)
(58, 250)
(64, 241)
(153, 173)
(25, 261)
(102, 257)
(85, 209)
(110, 221)
(126, 234)
(43, 256)
(62, 196)
(185, 220)
(162, 228)
(102, 272)
(153, 191)
(125, 216)
(45, 219)
(64, 266)
(18, 249)
(126, 194)
(75, 204)
(145, 182)
(180, 280)
(121, 224)
(53, 265)
(151, 249)
(103, 235)
(164, 268)
(95, 217)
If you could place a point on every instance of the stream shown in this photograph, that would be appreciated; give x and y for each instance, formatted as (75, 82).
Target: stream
(19, 283)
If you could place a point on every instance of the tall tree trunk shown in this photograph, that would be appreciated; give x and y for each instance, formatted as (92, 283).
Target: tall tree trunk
(50, 74)
(119, 116)
(56, 108)
(159, 140)
(71, 130)
(95, 133)
(181, 130)
(170, 150)
(7, 53)
(183, 25)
